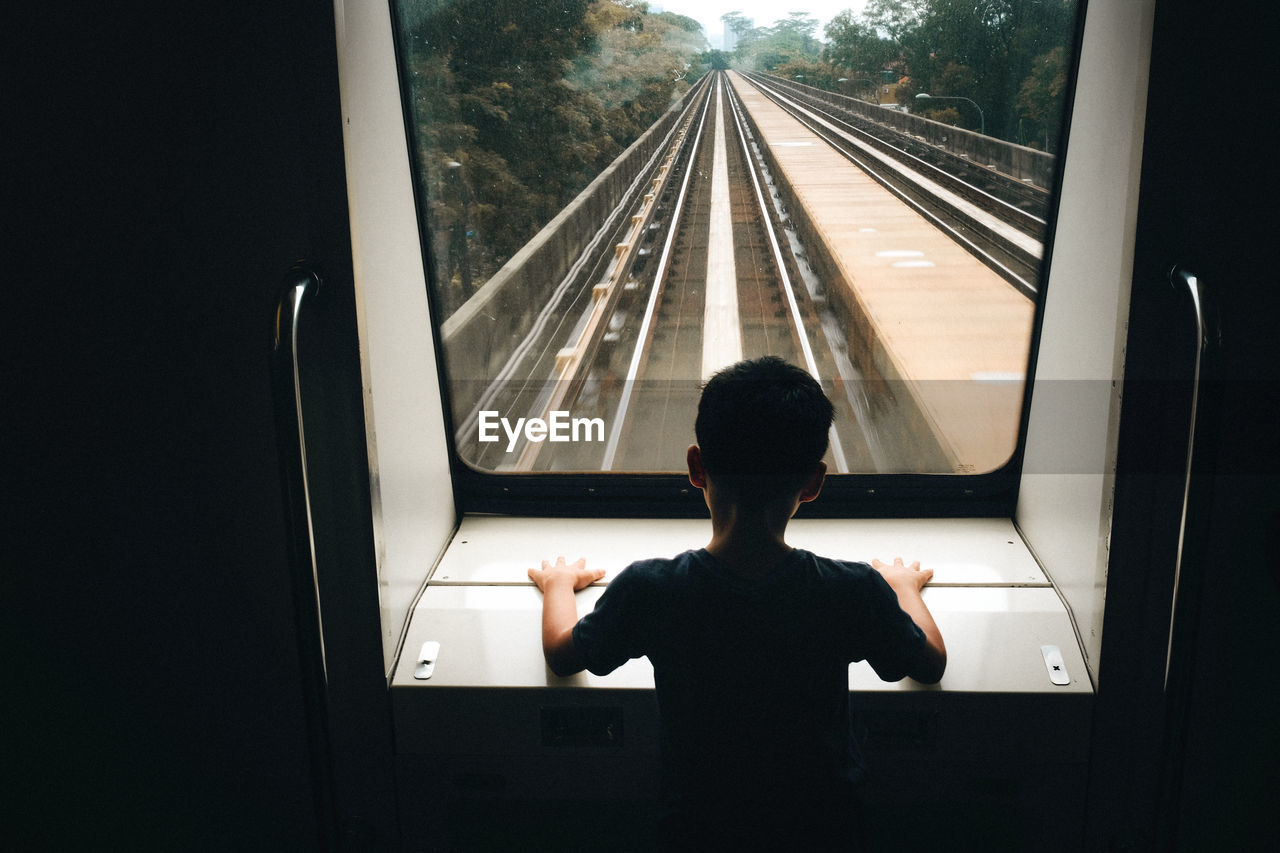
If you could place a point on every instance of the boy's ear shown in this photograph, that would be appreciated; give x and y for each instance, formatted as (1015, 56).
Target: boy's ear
(697, 474)
(813, 487)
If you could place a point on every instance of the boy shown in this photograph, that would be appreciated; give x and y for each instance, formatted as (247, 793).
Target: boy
(750, 639)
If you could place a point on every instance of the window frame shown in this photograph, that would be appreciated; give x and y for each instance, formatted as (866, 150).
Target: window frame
(618, 494)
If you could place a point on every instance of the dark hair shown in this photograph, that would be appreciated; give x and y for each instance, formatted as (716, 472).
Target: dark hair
(762, 427)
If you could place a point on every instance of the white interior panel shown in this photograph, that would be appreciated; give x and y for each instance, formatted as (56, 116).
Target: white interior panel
(1064, 505)
(990, 601)
(961, 551)
(408, 450)
(490, 636)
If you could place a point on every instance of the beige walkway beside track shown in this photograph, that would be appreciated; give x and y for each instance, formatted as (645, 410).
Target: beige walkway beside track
(933, 316)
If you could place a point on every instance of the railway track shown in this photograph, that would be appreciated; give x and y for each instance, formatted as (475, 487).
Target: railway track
(566, 356)
(779, 308)
(699, 266)
(1024, 195)
(999, 220)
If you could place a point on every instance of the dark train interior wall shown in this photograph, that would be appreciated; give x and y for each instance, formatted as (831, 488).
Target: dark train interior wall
(175, 160)
(1208, 777)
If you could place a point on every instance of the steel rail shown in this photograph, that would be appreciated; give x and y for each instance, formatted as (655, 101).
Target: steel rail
(628, 386)
(548, 314)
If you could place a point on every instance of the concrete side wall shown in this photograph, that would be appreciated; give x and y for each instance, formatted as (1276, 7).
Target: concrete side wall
(1017, 161)
(484, 332)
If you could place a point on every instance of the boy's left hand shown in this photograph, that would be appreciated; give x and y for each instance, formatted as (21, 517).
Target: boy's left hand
(576, 573)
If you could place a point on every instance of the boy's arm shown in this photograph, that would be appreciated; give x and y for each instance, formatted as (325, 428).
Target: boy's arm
(907, 582)
(560, 610)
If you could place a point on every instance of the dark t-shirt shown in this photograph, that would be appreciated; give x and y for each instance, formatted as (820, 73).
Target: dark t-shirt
(752, 677)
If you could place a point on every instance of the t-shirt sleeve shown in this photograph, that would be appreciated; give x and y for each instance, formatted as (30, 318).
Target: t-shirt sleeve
(613, 633)
(886, 637)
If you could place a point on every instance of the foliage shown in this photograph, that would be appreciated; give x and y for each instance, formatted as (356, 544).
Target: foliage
(984, 51)
(1040, 98)
(944, 115)
(823, 75)
(684, 22)
(517, 106)
(1007, 56)
(789, 40)
(896, 19)
(736, 23)
(716, 60)
(858, 48)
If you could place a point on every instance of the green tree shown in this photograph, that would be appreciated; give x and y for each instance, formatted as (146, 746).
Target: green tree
(816, 73)
(716, 60)
(517, 106)
(1040, 100)
(683, 22)
(639, 64)
(790, 39)
(896, 20)
(858, 48)
(736, 23)
(983, 50)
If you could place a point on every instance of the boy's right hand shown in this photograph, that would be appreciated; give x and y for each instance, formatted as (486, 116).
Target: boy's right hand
(906, 582)
(900, 576)
(576, 574)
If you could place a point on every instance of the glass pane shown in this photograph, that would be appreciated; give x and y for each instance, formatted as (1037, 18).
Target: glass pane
(619, 198)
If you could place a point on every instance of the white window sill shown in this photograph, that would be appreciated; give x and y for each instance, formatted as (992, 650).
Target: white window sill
(991, 601)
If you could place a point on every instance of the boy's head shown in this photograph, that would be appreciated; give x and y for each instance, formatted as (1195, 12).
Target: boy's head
(762, 429)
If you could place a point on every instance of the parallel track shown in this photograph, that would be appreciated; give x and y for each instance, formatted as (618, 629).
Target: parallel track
(1003, 227)
(626, 338)
(774, 316)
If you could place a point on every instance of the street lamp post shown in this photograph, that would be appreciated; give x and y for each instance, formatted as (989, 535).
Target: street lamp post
(982, 120)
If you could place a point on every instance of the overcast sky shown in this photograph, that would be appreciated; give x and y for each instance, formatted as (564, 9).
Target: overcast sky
(763, 12)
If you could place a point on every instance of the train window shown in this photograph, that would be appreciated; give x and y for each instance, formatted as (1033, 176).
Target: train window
(617, 198)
